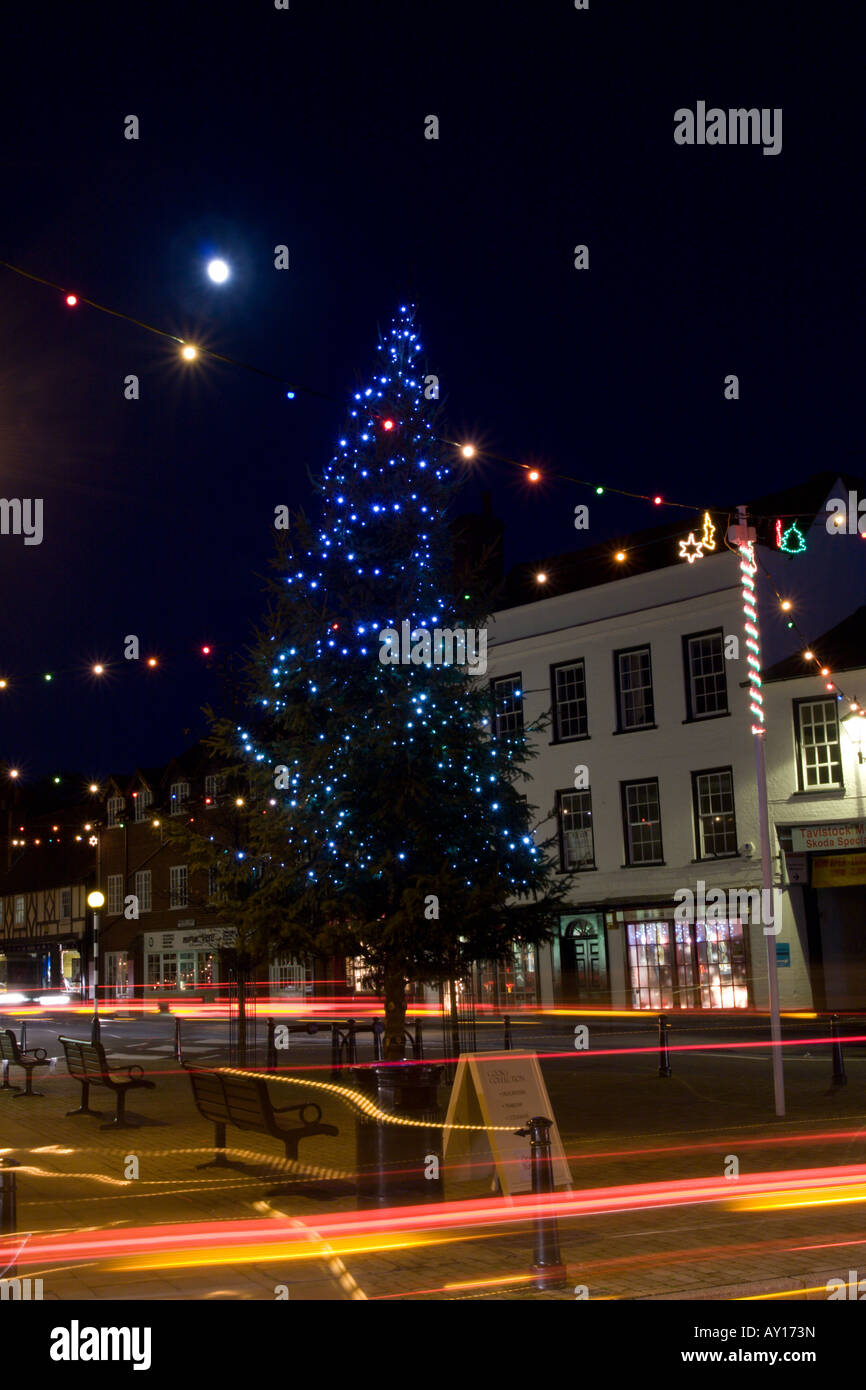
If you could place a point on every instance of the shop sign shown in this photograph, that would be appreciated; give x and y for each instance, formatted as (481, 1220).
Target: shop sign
(839, 835)
(204, 939)
(798, 868)
(838, 870)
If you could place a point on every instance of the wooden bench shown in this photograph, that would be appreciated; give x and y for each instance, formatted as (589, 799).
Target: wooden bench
(243, 1101)
(87, 1063)
(11, 1055)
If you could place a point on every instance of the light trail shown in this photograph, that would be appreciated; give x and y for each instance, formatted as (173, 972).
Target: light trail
(359, 1231)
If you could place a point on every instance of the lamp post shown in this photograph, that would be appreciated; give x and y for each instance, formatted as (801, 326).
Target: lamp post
(745, 537)
(95, 901)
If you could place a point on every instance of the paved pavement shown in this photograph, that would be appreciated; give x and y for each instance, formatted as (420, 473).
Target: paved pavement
(621, 1124)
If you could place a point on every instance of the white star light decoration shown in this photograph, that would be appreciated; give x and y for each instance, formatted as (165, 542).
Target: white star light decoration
(692, 549)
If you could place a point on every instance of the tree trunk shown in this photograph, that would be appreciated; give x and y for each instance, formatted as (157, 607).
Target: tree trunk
(394, 1045)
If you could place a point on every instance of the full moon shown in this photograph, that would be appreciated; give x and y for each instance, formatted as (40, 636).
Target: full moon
(218, 271)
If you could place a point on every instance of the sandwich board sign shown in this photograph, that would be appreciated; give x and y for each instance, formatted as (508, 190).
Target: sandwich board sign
(501, 1094)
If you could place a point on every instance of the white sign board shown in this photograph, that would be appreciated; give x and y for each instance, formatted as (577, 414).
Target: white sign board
(206, 938)
(797, 866)
(836, 835)
(498, 1095)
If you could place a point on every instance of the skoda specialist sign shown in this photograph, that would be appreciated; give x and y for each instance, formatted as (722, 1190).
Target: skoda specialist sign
(839, 835)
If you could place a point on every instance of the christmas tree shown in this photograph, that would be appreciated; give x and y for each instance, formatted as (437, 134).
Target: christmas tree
(383, 819)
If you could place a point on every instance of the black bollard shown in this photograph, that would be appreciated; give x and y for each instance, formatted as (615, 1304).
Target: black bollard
(378, 1034)
(22, 1041)
(95, 1038)
(352, 1045)
(271, 1051)
(418, 1049)
(839, 1076)
(8, 1207)
(548, 1270)
(507, 1044)
(335, 1052)
(664, 1055)
(178, 1042)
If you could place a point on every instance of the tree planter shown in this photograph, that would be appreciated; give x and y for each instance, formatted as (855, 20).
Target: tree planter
(399, 1164)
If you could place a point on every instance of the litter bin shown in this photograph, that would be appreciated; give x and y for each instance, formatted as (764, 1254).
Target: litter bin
(400, 1165)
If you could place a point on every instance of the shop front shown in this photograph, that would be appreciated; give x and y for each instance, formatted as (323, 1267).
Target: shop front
(184, 961)
(50, 964)
(826, 869)
(510, 983)
(670, 964)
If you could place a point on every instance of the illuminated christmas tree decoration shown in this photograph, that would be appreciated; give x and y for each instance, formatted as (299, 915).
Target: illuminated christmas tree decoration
(388, 781)
(793, 541)
(778, 535)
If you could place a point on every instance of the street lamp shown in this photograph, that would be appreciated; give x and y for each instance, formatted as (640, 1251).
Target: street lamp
(95, 901)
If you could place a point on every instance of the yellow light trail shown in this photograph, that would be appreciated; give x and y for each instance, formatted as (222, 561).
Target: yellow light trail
(807, 1197)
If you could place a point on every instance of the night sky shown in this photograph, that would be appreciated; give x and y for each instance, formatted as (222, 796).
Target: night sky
(260, 127)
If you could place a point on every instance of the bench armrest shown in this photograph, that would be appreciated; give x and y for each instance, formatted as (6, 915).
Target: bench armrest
(38, 1052)
(306, 1105)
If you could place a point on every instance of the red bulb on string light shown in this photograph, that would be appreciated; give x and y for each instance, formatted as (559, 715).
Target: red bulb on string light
(657, 501)
(387, 424)
(72, 300)
(534, 475)
(205, 651)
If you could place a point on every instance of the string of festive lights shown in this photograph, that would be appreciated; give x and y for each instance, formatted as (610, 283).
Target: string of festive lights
(468, 451)
(97, 669)
(789, 540)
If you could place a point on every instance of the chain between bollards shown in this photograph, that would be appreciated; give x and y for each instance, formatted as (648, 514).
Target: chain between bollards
(664, 1054)
(547, 1267)
(839, 1076)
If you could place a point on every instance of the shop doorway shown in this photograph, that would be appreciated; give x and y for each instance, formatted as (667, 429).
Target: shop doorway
(583, 960)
